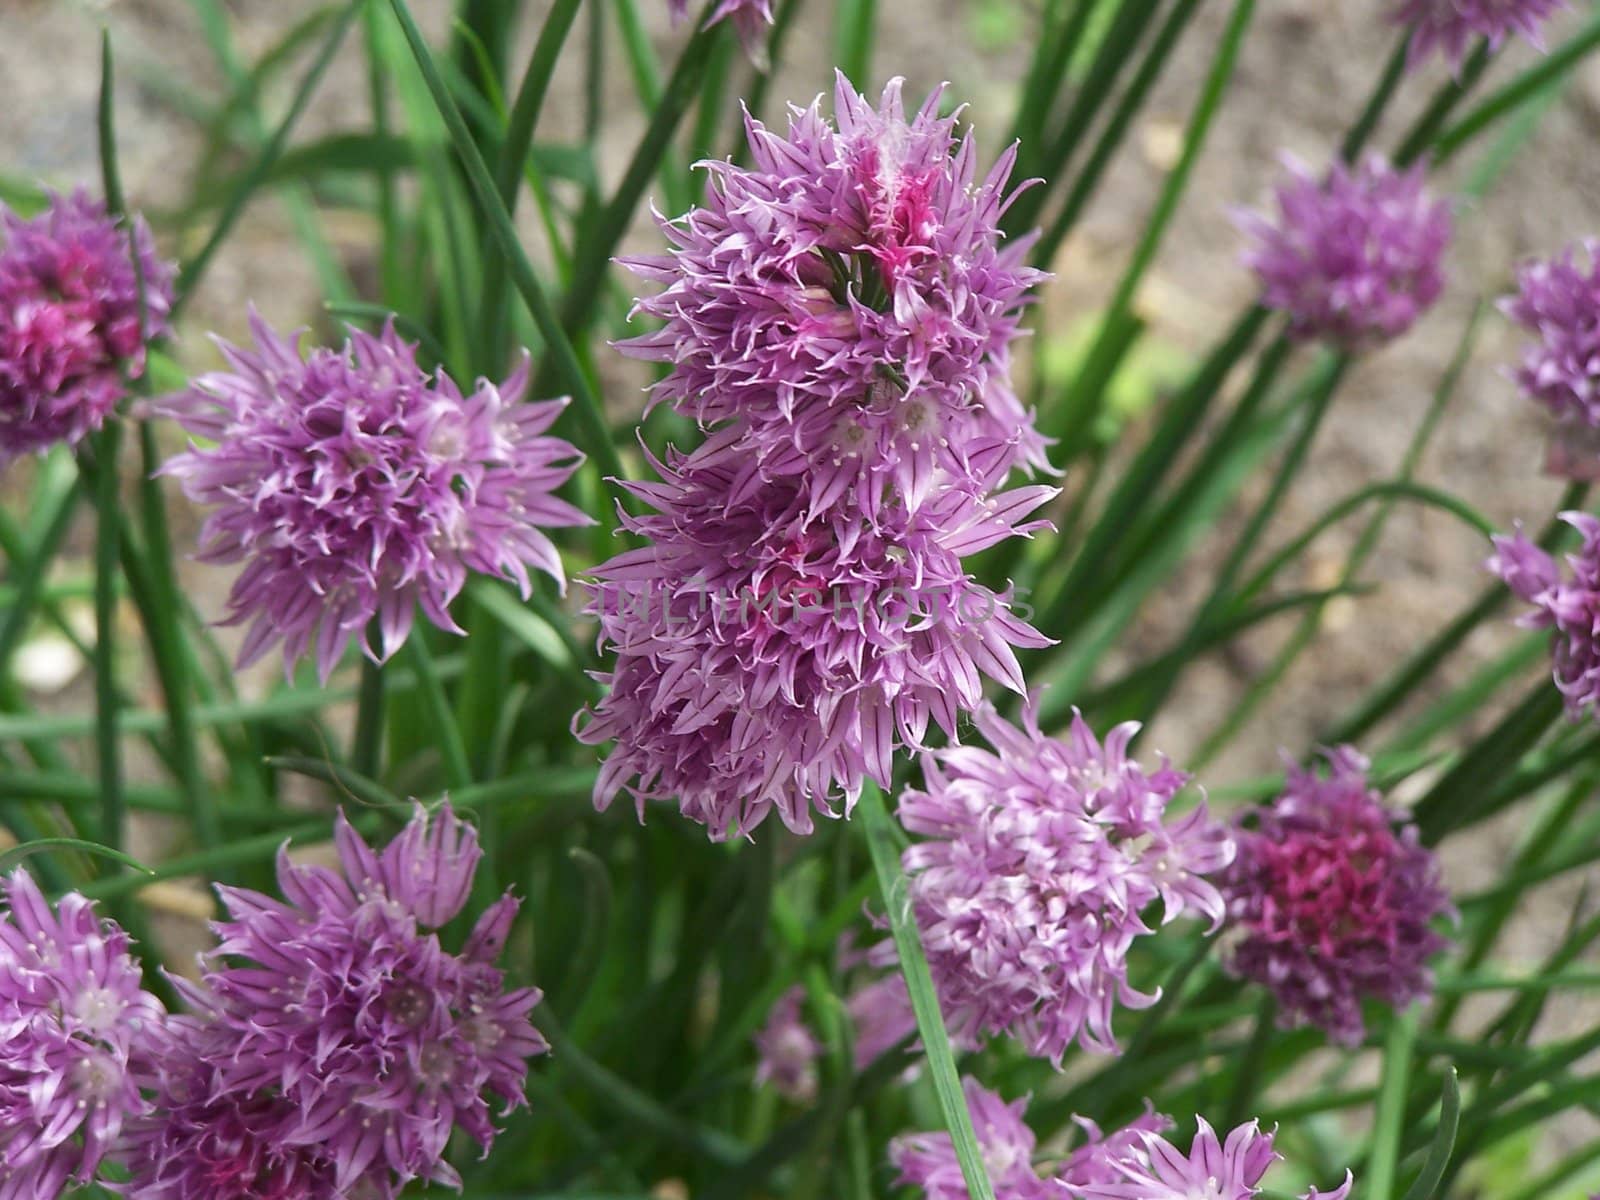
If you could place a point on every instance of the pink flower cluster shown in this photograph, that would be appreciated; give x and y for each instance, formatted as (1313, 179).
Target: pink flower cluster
(356, 486)
(1331, 901)
(1132, 1163)
(1039, 863)
(333, 1045)
(71, 301)
(838, 315)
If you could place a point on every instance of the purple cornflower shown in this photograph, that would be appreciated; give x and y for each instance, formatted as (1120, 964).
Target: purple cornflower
(343, 1004)
(72, 1016)
(1354, 259)
(1330, 903)
(1558, 302)
(1214, 1169)
(69, 319)
(1450, 26)
(771, 657)
(354, 485)
(928, 1160)
(1039, 862)
(750, 20)
(848, 301)
(788, 1050)
(1566, 603)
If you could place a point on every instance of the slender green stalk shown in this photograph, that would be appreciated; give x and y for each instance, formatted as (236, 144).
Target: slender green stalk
(29, 581)
(1521, 89)
(108, 755)
(599, 237)
(1427, 126)
(1421, 665)
(1129, 21)
(1194, 138)
(193, 270)
(1388, 83)
(520, 128)
(366, 746)
(1111, 138)
(589, 411)
(924, 1000)
(854, 21)
(452, 749)
(1064, 22)
(1389, 1123)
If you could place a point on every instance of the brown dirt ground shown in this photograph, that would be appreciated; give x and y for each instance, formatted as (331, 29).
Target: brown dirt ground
(1302, 76)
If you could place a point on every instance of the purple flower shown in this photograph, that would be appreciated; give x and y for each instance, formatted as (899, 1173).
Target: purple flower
(788, 1050)
(750, 20)
(1354, 259)
(1568, 603)
(72, 1017)
(354, 485)
(1096, 1161)
(928, 1160)
(880, 1017)
(1450, 26)
(69, 320)
(770, 656)
(1214, 1169)
(343, 1004)
(847, 300)
(1558, 302)
(201, 1141)
(1330, 903)
(1038, 863)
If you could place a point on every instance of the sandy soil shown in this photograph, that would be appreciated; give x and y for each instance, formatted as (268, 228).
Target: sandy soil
(1303, 75)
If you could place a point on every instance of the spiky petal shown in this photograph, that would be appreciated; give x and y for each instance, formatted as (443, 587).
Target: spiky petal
(928, 1160)
(1449, 27)
(1039, 862)
(343, 1004)
(69, 319)
(354, 485)
(773, 658)
(1558, 303)
(750, 18)
(847, 299)
(1353, 259)
(1331, 900)
(73, 1020)
(1565, 601)
(1213, 1169)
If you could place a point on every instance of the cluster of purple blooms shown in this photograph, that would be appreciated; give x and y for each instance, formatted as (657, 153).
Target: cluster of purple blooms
(838, 315)
(1038, 864)
(333, 1047)
(355, 487)
(749, 18)
(1354, 258)
(74, 316)
(1450, 26)
(1331, 903)
(1132, 1163)
(838, 318)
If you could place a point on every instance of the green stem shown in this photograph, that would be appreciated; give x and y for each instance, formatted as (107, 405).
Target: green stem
(452, 749)
(108, 755)
(894, 888)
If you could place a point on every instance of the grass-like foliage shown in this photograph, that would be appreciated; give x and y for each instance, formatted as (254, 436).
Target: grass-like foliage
(686, 605)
